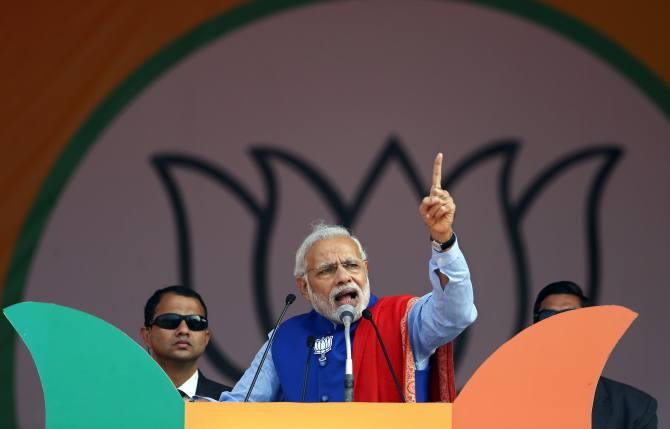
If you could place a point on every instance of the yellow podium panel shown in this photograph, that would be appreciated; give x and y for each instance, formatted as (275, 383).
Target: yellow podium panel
(288, 415)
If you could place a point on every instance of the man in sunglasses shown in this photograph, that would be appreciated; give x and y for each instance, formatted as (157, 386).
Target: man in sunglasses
(616, 405)
(175, 333)
(307, 360)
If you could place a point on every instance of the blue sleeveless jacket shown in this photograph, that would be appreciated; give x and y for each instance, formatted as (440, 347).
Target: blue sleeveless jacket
(325, 382)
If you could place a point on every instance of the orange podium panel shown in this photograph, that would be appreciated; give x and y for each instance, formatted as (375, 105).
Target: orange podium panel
(285, 415)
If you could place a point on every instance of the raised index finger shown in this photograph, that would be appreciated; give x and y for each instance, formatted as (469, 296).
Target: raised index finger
(437, 172)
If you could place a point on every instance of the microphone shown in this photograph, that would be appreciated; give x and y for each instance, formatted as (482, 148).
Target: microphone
(345, 313)
(310, 346)
(289, 300)
(367, 315)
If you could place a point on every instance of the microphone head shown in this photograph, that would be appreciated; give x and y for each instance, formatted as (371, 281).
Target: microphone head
(345, 312)
(367, 314)
(290, 298)
(310, 341)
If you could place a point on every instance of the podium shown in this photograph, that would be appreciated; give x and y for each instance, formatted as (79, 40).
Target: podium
(342, 415)
(95, 376)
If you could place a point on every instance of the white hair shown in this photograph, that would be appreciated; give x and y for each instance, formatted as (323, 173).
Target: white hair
(321, 231)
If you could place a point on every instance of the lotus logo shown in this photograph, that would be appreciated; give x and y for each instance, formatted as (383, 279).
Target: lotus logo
(348, 212)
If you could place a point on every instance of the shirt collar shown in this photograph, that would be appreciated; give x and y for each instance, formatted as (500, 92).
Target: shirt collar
(189, 387)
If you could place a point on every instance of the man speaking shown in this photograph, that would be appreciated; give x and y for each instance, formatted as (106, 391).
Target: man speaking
(334, 352)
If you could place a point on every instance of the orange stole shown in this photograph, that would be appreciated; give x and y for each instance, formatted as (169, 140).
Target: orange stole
(373, 379)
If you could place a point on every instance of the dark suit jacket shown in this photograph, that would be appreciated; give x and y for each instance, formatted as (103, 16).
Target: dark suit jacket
(620, 406)
(209, 388)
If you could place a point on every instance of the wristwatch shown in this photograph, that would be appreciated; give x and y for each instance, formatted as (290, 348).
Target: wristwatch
(441, 247)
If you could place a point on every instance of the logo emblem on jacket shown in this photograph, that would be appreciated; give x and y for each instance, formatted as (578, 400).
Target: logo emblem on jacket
(322, 346)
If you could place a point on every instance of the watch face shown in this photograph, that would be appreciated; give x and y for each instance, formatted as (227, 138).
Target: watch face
(437, 246)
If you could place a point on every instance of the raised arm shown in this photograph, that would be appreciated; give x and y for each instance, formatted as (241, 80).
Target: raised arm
(443, 314)
(437, 211)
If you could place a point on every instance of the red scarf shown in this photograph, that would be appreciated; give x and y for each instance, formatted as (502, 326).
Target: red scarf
(374, 382)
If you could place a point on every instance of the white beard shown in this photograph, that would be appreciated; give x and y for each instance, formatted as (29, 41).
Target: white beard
(328, 308)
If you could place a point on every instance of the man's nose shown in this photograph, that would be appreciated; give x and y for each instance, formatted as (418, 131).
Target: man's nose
(182, 329)
(342, 276)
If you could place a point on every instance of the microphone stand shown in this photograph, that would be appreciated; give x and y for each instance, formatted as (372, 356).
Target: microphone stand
(289, 300)
(310, 347)
(346, 314)
(349, 367)
(367, 314)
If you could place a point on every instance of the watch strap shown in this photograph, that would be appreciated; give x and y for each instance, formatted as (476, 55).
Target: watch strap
(441, 247)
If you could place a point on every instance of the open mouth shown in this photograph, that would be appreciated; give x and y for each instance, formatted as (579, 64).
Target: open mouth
(349, 296)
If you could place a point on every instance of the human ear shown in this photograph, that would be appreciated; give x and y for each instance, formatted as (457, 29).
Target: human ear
(301, 284)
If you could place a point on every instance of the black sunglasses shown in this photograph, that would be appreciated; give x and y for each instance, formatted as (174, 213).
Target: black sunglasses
(172, 321)
(545, 314)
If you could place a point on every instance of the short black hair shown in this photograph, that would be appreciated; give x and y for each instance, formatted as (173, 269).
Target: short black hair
(561, 287)
(152, 302)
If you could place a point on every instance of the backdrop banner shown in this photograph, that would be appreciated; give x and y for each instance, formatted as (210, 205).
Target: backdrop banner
(207, 165)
